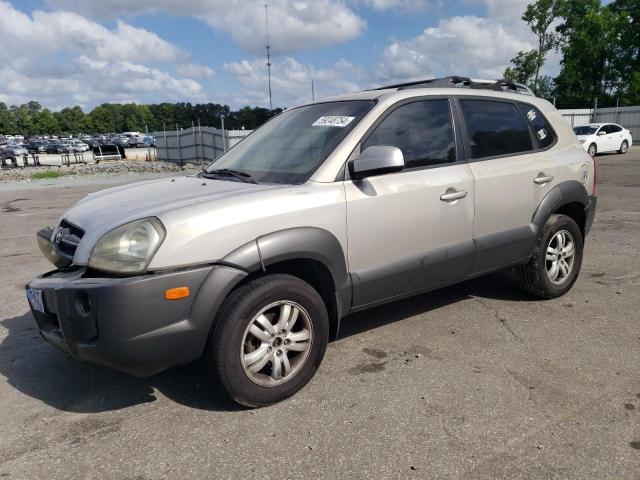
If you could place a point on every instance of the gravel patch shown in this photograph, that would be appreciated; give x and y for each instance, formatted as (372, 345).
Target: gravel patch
(35, 174)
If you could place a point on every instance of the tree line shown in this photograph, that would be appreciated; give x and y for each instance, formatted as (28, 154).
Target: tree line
(598, 44)
(31, 119)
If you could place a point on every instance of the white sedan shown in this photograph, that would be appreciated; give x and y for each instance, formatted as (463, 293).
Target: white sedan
(603, 137)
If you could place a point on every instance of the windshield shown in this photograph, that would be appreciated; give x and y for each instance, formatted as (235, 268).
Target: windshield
(291, 146)
(586, 130)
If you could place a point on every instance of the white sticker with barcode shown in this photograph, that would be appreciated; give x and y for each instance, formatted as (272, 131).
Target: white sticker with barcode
(333, 121)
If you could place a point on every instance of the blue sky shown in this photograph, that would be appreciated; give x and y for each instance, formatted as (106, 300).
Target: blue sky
(73, 52)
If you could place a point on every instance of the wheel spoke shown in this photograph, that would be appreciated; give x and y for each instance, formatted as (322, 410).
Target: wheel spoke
(564, 268)
(276, 367)
(292, 319)
(555, 268)
(259, 365)
(255, 356)
(259, 333)
(286, 366)
(266, 324)
(569, 250)
(300, 336)
(552, 253)
(283, 318)
(560, 241)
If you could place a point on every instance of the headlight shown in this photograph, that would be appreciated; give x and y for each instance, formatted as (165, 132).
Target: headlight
(128, 248)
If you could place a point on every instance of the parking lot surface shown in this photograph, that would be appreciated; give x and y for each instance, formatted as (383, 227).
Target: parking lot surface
(473, 381)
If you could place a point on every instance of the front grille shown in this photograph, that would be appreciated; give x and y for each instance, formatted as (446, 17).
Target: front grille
(66, 239)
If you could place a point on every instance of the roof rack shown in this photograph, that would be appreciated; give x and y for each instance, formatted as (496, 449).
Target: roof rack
(455, 81)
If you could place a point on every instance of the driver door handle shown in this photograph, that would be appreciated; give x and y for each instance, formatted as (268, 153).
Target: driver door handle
(453, 196)
(542, 179)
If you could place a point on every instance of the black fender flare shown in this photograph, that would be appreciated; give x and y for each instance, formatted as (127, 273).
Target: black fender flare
(290, 244)
(562, 194)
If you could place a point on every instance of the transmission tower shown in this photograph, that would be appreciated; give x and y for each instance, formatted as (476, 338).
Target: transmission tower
(266, 18)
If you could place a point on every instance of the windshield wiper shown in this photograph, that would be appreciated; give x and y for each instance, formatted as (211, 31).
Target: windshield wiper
(242, 176)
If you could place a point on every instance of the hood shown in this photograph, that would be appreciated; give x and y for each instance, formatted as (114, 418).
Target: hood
(115, 206)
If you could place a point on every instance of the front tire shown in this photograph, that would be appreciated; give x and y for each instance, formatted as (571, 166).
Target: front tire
(624, 147)
(270, 339)
(556, 261)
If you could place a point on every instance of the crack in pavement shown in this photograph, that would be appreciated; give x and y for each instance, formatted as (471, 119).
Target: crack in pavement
(503, 321)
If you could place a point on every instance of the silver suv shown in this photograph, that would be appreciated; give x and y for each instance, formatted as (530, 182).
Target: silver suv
(329, 208)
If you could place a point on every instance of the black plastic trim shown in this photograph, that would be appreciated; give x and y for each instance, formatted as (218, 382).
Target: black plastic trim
(376, 284)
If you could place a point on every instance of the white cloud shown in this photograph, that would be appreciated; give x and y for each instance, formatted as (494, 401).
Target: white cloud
(508, 10)
(295, 24)
(46, 32)
(61, 58)
(291, 81)
(195, 70)
(399, 6)
(473, 46)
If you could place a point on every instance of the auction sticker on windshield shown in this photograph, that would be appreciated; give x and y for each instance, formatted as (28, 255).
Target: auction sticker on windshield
(333, 121)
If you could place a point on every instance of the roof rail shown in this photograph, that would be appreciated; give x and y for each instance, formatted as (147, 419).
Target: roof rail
(455, 81)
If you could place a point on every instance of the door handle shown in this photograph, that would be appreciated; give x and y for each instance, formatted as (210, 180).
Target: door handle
(542, 179)
(452, 196)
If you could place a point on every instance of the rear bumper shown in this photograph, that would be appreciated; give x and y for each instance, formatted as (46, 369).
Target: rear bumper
(126, 323)
(590, 214)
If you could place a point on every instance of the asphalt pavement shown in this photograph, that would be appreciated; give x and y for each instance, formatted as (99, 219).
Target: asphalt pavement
(473, 381)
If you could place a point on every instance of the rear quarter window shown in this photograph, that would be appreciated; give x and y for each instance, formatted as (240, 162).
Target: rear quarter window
(542, 131)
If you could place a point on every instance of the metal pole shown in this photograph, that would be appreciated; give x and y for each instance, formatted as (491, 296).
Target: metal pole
(617, 105)
(313, 92)
(204, 158)
(224, 139)
(266, 18)
(179, 146)
(166, 145)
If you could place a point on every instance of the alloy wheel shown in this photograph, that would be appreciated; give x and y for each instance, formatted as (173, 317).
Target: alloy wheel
(560, 257)
(276, 343)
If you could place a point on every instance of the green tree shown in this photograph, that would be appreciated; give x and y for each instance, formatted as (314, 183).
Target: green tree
(588, 39)
(539, 16)
(524, 67)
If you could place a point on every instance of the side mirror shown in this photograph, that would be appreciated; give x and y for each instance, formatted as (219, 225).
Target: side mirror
(376, 160)
(601, 132)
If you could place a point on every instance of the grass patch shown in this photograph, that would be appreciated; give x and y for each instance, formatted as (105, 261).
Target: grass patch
(47, 174)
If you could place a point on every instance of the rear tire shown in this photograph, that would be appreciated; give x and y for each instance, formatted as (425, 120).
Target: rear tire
(593, 150)
(624, 147)
(270, 339)
(556, 260)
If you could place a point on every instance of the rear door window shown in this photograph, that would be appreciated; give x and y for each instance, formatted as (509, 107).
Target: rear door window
(495, 128)
(542, 131)
(423, 130)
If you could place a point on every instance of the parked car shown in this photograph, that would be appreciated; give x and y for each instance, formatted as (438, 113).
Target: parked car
(329, 208)
(75, 145)
(55, 146)
(12, 152)
(36, 146)
(604, 137)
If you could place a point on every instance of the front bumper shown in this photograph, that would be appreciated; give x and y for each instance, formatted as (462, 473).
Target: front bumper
(126, 323)
(590, 214)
